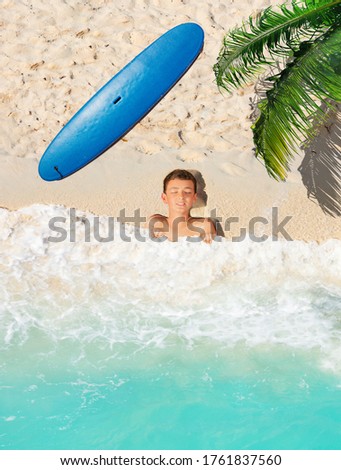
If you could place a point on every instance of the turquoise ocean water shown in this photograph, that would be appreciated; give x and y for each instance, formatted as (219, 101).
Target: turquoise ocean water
(166, 346)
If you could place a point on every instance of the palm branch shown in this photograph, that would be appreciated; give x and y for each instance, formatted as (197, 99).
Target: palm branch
(291, 108)
(309, 34)
(274, 32)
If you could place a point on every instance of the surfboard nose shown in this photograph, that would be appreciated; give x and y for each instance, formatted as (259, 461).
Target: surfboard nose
(193, 29)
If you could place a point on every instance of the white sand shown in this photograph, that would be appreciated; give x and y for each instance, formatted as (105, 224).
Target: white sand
(56, 55)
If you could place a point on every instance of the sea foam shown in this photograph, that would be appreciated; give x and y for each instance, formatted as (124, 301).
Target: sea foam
(153, 295)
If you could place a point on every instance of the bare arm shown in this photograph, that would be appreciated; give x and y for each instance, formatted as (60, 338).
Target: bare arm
(210, 230)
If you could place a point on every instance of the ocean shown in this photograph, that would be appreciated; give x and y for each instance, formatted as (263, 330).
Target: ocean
(145, 345)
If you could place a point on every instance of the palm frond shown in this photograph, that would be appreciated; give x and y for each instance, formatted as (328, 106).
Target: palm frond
(291, 108)
(274, 32)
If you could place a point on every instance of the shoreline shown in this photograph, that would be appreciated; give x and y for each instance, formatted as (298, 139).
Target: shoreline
(248, 203)
(59, 224)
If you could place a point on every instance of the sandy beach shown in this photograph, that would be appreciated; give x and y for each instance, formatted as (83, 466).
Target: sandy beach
(55, 57)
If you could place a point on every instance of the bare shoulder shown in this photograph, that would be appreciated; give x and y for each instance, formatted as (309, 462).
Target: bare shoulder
(157, 221)
(204, 222)
(156, 216)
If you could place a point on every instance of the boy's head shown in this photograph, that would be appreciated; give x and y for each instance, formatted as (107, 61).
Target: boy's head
(179, 192)
(181, 175)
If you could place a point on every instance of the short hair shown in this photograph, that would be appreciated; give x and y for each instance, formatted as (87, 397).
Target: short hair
(181, 175)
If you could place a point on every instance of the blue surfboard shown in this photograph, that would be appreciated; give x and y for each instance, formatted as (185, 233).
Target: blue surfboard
(122, 102)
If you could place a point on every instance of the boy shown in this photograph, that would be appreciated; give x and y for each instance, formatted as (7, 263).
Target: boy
(180, 194)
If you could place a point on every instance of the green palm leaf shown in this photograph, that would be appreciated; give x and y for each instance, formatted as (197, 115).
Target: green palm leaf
(289, 112)
(275, 32)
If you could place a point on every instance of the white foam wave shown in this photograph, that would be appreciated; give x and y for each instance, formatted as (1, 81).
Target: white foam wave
(155, 294)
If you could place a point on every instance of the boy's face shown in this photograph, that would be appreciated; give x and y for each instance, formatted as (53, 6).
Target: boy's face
(179, 195)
